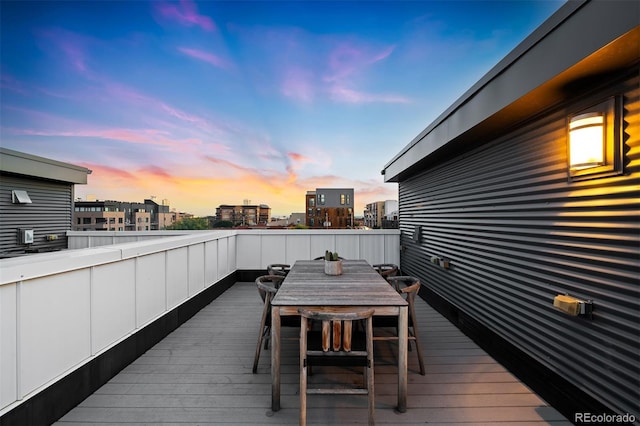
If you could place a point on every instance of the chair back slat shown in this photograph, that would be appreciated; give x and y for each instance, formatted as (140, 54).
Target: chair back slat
(326, 335)
(337, 336)
(346, 336)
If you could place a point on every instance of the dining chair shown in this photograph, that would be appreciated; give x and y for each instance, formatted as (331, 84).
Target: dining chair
(278, 269)
(268, 286)
(408, 287)
(337, 344)
(387, 269)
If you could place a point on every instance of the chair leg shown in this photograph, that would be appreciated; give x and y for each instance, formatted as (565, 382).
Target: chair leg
(266, 336)
(261, 334)
(414, 326)
(303, 372)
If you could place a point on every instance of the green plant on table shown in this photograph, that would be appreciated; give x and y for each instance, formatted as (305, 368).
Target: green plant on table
(331, 256)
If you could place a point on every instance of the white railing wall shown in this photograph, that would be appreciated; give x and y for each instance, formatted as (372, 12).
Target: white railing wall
(258, 248)
(60, 310)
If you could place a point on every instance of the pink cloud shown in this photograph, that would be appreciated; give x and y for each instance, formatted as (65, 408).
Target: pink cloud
(298, 157)
(68, 45)
(10, 83)
(298, 84)
(127, 95)
(344, 94)
(346, 63)
(156, 172)
(210, 58)
(186, 13)
(108, 173)
(136, 136)
(346, 60)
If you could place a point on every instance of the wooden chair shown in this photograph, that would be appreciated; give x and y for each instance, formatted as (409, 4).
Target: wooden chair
(278, 269)
(387, 269)
(408, 287)
(336, 346)
(268, 286)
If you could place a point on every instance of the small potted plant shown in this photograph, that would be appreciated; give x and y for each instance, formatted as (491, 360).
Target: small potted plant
(332, 263)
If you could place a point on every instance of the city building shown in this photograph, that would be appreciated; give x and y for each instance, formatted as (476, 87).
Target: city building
(36, 200)
(380, 213)
(121, 216)
(161, 217)
(244, 214)
(286, 222)
(329, 208)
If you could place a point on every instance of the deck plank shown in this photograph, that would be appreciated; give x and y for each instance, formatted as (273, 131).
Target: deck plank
(201, 374)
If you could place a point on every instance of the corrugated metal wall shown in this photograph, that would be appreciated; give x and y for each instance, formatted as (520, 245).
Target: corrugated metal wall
(48, 214)
(518, 233)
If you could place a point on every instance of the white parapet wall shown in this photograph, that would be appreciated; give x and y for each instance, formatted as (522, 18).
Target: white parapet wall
(60, 310)
(258, 248)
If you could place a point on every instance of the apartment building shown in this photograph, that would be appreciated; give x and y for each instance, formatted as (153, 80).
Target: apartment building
(330, 208)
(112, 215)
(244, 214)
(380, 214)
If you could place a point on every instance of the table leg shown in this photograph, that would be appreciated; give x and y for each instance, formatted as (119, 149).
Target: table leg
(403, 341)
(275, 358)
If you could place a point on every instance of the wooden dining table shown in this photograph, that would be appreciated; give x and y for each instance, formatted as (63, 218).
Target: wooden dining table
(307, 286)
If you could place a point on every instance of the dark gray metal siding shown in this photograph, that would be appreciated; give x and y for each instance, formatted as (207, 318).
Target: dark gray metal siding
(518, 233)
(48, 214)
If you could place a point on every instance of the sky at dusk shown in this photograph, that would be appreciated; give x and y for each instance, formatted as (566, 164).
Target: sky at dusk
(209, 103)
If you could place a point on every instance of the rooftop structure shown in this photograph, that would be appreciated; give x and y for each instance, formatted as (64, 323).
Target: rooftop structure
(36, 200)
(499, 219)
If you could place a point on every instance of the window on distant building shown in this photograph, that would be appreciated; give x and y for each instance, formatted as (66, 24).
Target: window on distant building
(342, 199)
(86, 220)
(321, 199)
(312, 202)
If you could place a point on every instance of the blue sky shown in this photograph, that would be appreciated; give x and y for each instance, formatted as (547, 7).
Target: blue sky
(209, 103)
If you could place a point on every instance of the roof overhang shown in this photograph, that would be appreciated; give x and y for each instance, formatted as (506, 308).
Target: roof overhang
(20, 163)
(582, 41)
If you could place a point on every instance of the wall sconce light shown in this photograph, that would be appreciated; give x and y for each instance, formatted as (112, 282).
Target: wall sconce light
(586, 140)
(594, 141)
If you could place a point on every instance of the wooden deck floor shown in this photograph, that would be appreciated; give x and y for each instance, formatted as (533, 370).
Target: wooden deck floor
(201, 374)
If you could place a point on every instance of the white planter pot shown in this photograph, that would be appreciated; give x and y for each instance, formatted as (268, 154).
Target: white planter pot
(333, 267)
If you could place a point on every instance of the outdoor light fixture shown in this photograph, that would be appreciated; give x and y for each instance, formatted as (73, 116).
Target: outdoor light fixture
(573, 306)
(594, 141)
(586, 140)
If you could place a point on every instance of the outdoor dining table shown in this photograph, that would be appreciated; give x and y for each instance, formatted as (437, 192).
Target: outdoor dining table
(307, 286)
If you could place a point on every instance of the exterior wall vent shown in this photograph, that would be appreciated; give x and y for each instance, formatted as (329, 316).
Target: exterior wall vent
(19, 196)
